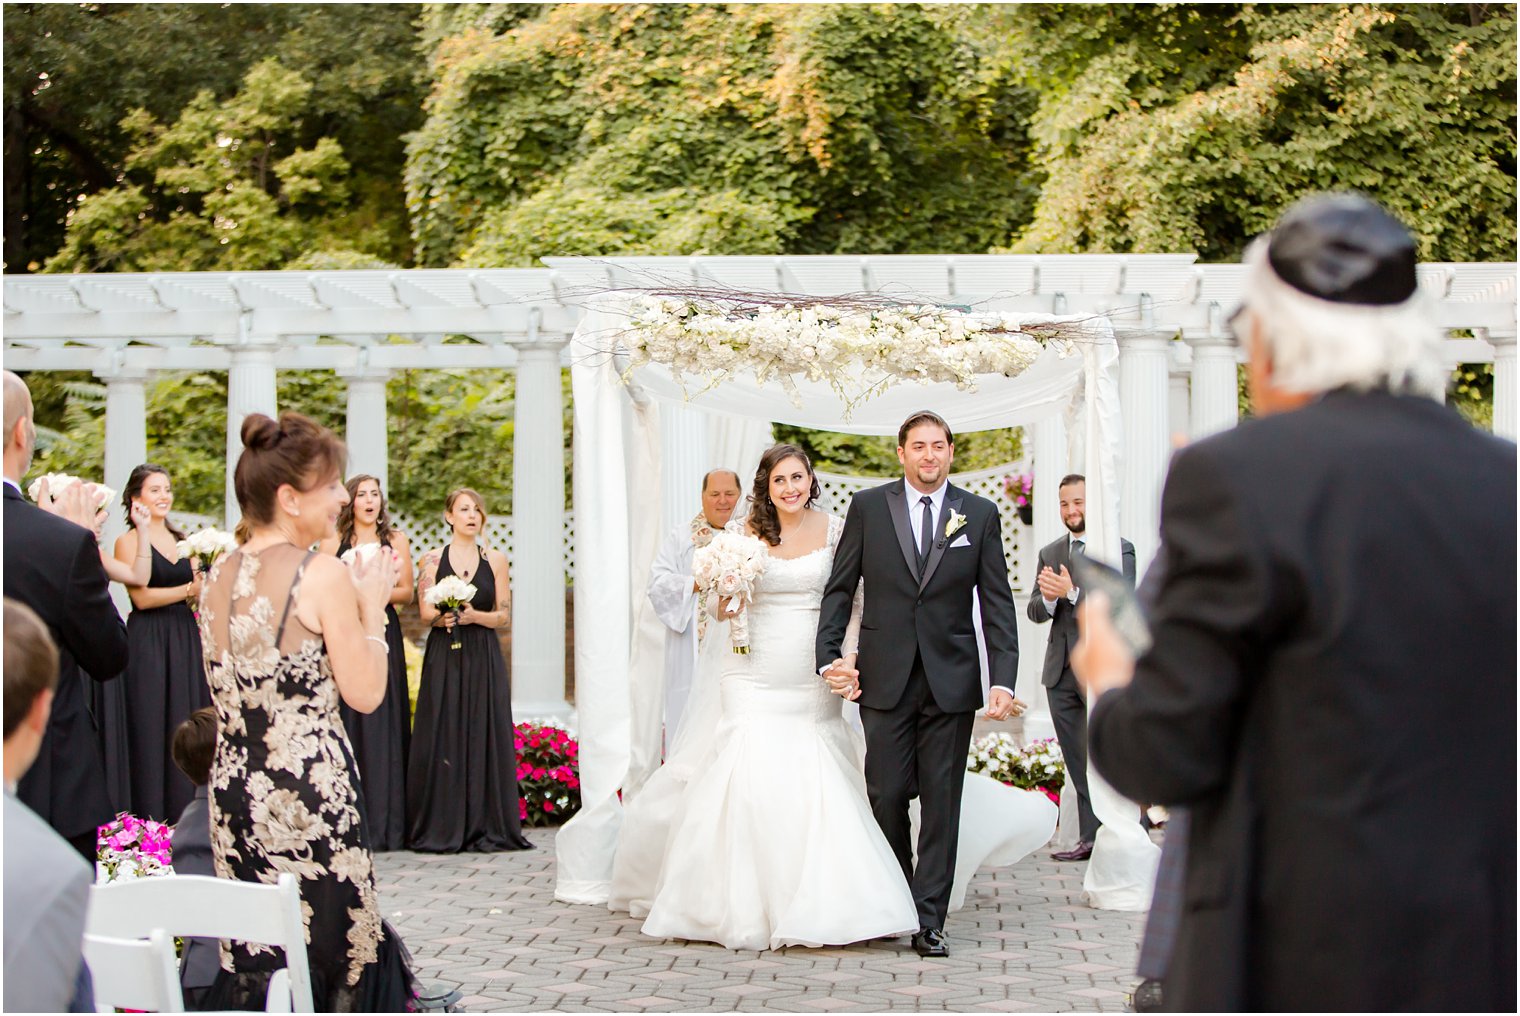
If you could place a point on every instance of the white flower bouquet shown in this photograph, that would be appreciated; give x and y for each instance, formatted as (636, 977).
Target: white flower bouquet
(206, 546)
(729, 567)
(450, 593)
(363, 552)
(57, 483)
(1037, 766)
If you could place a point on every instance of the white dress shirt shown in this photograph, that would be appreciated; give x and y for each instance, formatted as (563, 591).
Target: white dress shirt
(916, 510)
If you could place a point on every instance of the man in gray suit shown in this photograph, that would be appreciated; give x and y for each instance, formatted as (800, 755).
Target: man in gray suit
(1055, 600)
(47, 883)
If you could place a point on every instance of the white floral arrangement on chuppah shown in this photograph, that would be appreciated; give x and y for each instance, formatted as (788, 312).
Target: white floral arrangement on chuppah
(729, 566)
(206, 546)
(57, 483)
(450, 593)
(859, 345)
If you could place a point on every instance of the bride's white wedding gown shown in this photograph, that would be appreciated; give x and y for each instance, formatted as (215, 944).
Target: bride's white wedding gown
(756, 833)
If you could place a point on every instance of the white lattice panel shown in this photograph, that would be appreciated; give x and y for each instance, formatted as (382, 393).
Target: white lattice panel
(1017, 541)
(429, 531)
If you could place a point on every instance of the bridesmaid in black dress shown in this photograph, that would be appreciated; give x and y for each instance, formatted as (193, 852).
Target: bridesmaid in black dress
(165, 680)
(380, 739)
(461, 788)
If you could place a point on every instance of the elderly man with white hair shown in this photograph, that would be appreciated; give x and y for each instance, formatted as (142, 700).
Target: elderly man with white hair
(1331, 688)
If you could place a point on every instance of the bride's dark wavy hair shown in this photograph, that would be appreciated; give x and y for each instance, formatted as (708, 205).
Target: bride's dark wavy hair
(763, 518)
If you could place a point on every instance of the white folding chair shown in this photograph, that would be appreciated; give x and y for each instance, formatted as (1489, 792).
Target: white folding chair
(195, 906)
(134, 973)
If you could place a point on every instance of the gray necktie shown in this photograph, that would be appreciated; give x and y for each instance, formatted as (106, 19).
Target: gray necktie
(926, 539)
(1078, 548)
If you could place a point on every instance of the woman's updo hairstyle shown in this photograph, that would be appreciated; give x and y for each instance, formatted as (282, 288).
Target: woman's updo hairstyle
(763, 517)
(297, 450)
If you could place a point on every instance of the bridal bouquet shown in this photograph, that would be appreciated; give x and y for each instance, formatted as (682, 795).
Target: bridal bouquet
(206, 546)
(1036, 766)
(132, 847)
(729, 566)
(450, 593)
(60, 482)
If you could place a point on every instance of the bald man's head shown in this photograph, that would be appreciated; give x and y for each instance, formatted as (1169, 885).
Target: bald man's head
(20, 435)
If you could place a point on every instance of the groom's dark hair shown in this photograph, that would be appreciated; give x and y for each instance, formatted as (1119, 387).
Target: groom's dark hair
(921, 417)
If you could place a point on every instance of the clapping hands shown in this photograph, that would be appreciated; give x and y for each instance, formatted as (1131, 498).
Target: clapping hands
(1054, 585)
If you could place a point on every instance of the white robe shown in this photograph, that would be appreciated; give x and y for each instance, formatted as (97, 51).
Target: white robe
(675, 604)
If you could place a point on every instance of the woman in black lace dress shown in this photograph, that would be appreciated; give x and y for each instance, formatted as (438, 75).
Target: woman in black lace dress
(165, 680)
(381, 738)
(461, 789)
(287, 631)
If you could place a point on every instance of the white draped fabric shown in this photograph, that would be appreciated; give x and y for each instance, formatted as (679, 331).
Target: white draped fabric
(619, 651)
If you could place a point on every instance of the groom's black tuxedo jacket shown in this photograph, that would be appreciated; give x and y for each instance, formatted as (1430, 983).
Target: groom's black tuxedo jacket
(907, 617)
(53, 566)
(1332, 691)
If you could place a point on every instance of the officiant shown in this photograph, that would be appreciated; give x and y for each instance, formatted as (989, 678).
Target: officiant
(689, 629)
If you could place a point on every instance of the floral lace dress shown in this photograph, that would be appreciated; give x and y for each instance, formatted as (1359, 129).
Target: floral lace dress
(282, 790)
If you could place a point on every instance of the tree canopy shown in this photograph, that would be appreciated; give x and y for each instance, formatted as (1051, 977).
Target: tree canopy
(362, 135)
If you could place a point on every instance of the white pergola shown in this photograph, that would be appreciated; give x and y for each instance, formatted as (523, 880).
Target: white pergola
(1177, 363)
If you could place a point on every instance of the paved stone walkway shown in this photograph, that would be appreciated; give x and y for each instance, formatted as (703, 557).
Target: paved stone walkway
(489, 924)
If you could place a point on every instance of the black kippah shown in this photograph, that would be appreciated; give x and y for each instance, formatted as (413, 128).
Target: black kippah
(1346, 249)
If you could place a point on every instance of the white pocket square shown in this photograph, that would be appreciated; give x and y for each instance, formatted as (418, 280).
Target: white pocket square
(959, 541)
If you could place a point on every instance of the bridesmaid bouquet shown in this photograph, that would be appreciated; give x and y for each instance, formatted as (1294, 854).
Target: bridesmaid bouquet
(363, 552)
(450, 593)
(729, 566)
(206, 546)
(59, 482)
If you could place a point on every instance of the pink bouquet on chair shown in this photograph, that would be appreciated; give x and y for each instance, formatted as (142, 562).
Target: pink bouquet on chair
(132, 847)
(728, 567)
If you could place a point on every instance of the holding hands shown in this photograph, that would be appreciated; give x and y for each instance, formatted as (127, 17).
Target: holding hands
(843, 678)
(1001, 705)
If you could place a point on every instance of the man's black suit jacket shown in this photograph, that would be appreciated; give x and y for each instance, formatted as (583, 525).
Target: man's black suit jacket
(905, 617)
(53, 566)
(1332, 691)
(1063, 623)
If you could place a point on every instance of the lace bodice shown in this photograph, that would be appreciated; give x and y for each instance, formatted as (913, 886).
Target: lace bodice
(803, 576)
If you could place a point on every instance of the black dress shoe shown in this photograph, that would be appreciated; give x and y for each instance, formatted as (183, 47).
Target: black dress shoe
(1147, 996)
(1081, 852)
(930, 942)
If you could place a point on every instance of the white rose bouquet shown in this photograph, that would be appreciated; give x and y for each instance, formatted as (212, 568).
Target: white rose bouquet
(57, 483)
(729, 567)
(450, 593)
(206, 546)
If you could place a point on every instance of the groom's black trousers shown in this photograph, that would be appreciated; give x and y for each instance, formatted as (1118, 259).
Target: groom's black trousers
(914, 749)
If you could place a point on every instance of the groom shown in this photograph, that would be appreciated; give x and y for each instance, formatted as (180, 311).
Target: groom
(922, 547)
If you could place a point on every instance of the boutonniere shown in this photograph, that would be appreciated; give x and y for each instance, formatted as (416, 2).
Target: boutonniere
(954, 524)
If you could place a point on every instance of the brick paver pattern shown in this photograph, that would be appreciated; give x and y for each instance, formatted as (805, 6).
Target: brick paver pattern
(489, 924)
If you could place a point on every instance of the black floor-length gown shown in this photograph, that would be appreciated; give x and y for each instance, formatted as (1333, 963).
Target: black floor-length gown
(164, 683)
(380, 740)
(461, 788)
(283, 796)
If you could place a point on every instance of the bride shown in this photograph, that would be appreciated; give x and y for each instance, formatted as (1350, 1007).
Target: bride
(756, 832)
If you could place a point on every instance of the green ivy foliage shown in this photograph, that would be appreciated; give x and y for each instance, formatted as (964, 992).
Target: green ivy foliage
(725, 129)
(1191, 127)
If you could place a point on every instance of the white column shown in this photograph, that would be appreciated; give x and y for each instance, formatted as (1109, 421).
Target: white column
(1216, 403)
(250, 389)
(126, 448)
(1050, 464)
(1506, 412)
(366, 426)
(1143, 400)
(538, 513)
(1179, 390)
